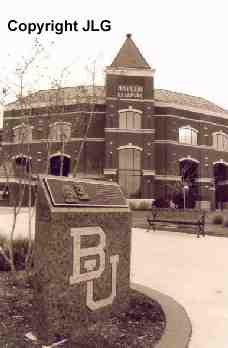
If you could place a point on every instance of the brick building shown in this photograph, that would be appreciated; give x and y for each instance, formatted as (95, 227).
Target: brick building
(155, 143)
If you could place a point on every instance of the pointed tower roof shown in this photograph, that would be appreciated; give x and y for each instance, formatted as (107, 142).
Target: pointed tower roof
(129, 56)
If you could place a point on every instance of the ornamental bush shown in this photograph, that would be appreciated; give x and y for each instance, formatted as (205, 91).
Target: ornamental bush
(217, 219)
(225, 222)
(20, 248)
(144, 205)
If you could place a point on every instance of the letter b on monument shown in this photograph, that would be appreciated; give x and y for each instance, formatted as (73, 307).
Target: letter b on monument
(82, 255)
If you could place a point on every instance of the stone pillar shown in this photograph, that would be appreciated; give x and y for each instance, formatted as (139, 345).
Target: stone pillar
(82, 255)
(206, 196)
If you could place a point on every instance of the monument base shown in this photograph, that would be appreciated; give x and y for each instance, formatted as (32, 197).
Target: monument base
(144, 321)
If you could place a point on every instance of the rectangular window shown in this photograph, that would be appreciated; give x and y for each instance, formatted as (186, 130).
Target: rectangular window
(60, 131)
(130, 170)
(130, 119)
(220, 142)
(187, 135)
(22, 134)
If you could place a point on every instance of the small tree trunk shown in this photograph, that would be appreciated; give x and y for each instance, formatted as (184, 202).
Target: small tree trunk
(29, 251)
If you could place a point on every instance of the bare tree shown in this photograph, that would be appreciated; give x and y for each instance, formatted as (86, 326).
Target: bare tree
(57, 99)
(56, 103)
(177, 191)
(24, 176)
(92, 102)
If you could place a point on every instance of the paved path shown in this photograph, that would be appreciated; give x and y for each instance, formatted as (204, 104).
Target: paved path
(192, 271)
(21, 230)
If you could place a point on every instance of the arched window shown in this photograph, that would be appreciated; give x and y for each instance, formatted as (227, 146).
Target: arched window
(130, 168)
(220, 170)
(59, 164)
(22, 133)
(188, 194)
(220, 141)
(130, 119)
(188, 135)
(60, 131)
(23, 162)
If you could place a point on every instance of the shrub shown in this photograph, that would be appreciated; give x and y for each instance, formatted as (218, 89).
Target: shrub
(133, 205)
(225, 222)
(20, 248)
(140, 204)
(161, 203)
(217, 219)
(4, 266)
(144, 205)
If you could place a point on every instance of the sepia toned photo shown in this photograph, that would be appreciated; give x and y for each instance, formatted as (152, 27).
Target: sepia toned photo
(113, 175)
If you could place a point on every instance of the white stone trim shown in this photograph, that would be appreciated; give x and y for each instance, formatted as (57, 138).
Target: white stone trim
(58, 153)
(69, 113)
(38, 104)
(189, 127)
(221, 161)
(129, 146)
(4, 179)
(91, 209)
(129, 99)
(146, 172)
(174, 142)
(192, 109)
(38, 141)
(131, 110)
(192, 119)
(21, 155)
(189, 158)
(220, 133)
(205, 180)
(110, 171)
(127, 130)
(60, 122)
(168, 177)
(130, 72)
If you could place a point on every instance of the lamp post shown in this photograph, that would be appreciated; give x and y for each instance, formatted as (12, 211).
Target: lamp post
(212, 188)
(185, 187)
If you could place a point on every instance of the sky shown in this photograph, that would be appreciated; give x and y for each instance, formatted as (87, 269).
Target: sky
(185, 41)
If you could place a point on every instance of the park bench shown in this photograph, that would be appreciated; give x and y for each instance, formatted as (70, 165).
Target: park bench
(187, 217)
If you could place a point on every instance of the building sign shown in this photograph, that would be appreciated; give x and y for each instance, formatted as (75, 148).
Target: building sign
(130, 91)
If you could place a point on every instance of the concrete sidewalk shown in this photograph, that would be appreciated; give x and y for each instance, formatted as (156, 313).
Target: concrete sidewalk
(193, 272)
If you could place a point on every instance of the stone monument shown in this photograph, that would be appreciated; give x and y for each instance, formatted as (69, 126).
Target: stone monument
(81, 257)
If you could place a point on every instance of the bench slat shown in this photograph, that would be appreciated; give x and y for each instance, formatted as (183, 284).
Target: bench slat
(176, 222)
(178, 217)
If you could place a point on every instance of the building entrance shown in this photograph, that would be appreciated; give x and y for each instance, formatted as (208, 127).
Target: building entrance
(220, 179)
(189, 175)
(59, 165)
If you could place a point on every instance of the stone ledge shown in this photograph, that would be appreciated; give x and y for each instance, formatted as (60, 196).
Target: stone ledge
(178, 328)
